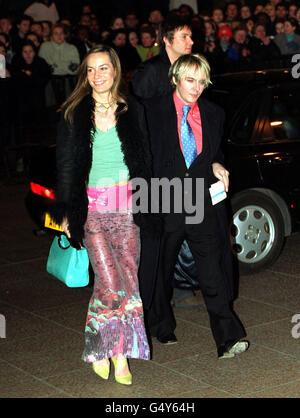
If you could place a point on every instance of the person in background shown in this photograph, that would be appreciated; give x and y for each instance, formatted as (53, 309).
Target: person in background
(35, 39)
(148, 47)
(238, 56)
(279, 26)
(249, 23)
(133, 38)
(210, 34)
(95, 26)
(292, 10)
(217, 16)
(64, 60)
(263, 50)
(5, 24)
(215, 51)
(128, 55)
(80, 37)
(186, 12)
(43, 10)
(23, 26)
(117, 22)
(155, 18)
(231, 12)
(131, 21)
(61, 56)
(30, 74)
(3, 52)
(245, 12)
(225, 36)
(47, 27)
(151, 77)
(101, 144)
(271, 12)
(85, 20)
(5, 39)
(259, 7)
(288, 42)
(281, 10)
(297, 14)
(37, 28)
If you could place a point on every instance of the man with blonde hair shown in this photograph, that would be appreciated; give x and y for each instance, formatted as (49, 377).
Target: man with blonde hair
(185, 135)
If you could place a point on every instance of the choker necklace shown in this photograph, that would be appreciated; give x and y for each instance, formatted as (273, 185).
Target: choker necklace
(103, 107)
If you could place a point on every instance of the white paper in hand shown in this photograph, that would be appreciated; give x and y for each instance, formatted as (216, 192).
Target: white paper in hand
(217, 192)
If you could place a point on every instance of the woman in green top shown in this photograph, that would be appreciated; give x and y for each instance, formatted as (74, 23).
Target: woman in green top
(101, 145)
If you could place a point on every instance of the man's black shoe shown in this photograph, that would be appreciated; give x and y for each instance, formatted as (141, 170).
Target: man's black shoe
(168, 339)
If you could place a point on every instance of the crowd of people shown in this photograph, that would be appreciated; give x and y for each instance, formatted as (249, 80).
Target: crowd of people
(43, 50)
(236, 37)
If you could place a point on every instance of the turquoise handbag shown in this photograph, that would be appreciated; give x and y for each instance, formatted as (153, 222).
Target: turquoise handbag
(67, 264)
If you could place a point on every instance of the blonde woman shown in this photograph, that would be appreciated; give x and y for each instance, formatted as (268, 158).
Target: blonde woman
(101, 145)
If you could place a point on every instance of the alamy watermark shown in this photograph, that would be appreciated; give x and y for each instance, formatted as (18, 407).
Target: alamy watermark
(296, 68)
(2, 66)
(2, 326)
(160, 195)
(296, 328)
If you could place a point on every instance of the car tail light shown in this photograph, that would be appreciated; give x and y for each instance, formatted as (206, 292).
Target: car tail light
(42, 191)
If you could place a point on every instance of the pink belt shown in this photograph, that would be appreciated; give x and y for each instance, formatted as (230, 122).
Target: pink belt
(112, 198)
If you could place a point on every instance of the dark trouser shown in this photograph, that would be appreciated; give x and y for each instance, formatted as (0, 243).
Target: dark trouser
(203, 242)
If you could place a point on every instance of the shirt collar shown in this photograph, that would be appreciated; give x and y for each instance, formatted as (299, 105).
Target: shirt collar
(179, 103)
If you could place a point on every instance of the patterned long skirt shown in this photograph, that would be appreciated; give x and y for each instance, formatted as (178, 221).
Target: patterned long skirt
(115, 322)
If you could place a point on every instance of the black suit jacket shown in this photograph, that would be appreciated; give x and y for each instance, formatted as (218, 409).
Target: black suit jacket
(164, 142)
(151, 77)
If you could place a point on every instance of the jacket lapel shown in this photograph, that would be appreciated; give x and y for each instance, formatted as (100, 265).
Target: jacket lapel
(173, 131)
(206, 131)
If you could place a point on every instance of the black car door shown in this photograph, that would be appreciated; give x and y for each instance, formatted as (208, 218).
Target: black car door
(277, 142)
(240, 148)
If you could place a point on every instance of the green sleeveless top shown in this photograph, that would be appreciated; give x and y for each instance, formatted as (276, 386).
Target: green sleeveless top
(108, 166)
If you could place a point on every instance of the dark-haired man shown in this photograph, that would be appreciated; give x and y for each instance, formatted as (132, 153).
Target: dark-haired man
(151, 77)
(23, 27)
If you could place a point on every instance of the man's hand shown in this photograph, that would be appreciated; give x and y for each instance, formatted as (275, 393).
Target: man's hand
(222, 174)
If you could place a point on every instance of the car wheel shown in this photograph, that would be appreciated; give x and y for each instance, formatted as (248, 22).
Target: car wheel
(257, 231)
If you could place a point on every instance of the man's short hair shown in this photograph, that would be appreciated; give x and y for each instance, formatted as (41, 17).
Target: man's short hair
(23, 18)
(169, 27)
(184, 63)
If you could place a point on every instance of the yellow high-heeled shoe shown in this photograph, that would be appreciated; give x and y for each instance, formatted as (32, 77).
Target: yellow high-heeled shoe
(102, 371)
(124, 380)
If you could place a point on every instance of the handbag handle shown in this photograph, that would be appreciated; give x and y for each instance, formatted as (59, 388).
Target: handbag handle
(60, 245)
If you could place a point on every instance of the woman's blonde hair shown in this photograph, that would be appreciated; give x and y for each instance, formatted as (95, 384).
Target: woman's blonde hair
(83, 87)
(184, 63)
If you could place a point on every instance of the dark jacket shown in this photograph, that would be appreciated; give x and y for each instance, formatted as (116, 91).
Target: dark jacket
(41, 73)
(74, 160)
(30, 90)
(162, 122)
(263, 55)
(168, 160)
(151, 77)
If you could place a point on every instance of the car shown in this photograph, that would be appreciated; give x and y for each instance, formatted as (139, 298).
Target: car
(262, 152)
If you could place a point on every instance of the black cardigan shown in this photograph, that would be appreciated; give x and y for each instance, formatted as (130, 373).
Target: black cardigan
(74, 160)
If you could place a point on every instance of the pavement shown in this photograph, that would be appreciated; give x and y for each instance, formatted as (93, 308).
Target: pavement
(42, 330)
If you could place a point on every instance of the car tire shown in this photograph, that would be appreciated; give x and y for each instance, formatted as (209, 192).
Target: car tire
(257, 231)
